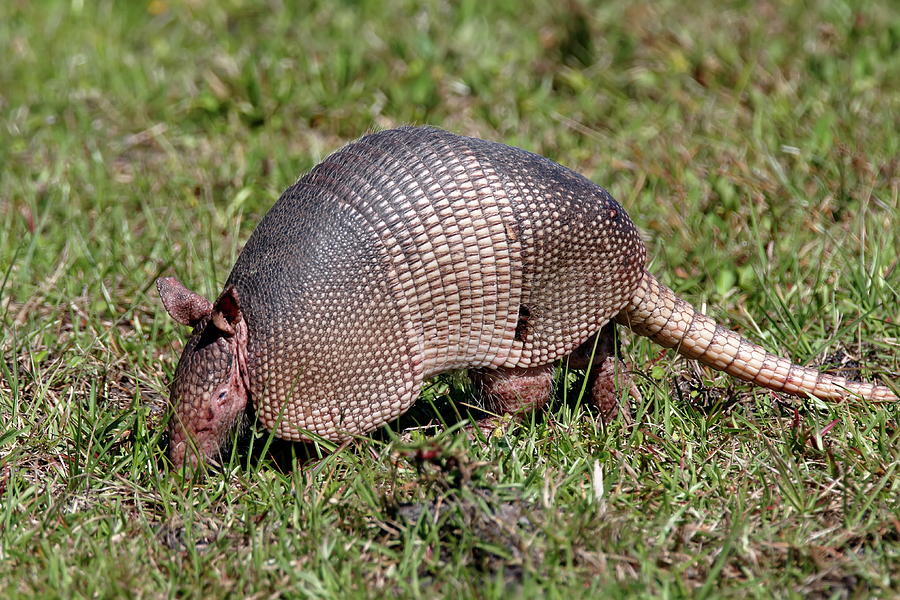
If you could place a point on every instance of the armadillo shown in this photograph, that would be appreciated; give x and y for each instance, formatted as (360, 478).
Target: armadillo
(412, 252)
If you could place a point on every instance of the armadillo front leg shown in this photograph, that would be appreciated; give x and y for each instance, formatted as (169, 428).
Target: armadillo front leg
(608, 375)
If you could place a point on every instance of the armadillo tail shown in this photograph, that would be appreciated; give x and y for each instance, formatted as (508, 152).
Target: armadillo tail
(656, 312)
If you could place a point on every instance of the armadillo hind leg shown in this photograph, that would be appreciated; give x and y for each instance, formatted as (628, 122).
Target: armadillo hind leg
(515, 390)
(608, 375)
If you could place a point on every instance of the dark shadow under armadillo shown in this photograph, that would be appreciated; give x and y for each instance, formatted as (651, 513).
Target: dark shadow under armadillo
(415, 251)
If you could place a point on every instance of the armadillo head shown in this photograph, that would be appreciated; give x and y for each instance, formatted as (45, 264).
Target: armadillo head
(210, 389)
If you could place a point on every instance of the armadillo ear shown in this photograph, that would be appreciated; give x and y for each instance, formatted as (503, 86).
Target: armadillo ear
(182, 304)
(226, 312)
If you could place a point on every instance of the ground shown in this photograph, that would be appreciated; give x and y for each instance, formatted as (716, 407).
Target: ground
(755, 145)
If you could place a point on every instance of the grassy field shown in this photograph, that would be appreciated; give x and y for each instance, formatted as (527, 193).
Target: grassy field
(755, 145)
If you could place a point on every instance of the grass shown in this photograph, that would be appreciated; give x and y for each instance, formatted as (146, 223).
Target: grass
(755, 145)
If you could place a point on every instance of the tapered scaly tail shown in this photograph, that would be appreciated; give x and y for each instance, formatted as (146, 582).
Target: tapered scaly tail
(656, 312)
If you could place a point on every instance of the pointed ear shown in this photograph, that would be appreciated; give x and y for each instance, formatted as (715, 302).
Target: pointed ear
(226, 313)
(185, 306)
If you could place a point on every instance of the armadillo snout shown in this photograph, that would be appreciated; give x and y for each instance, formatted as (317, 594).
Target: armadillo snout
(208, 395)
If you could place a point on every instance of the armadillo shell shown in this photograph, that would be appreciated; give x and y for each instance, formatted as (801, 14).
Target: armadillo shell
(416, 251)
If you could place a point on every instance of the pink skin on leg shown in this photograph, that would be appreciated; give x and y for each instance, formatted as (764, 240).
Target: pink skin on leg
(513, 391)
(516, 391)
(608, 376)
